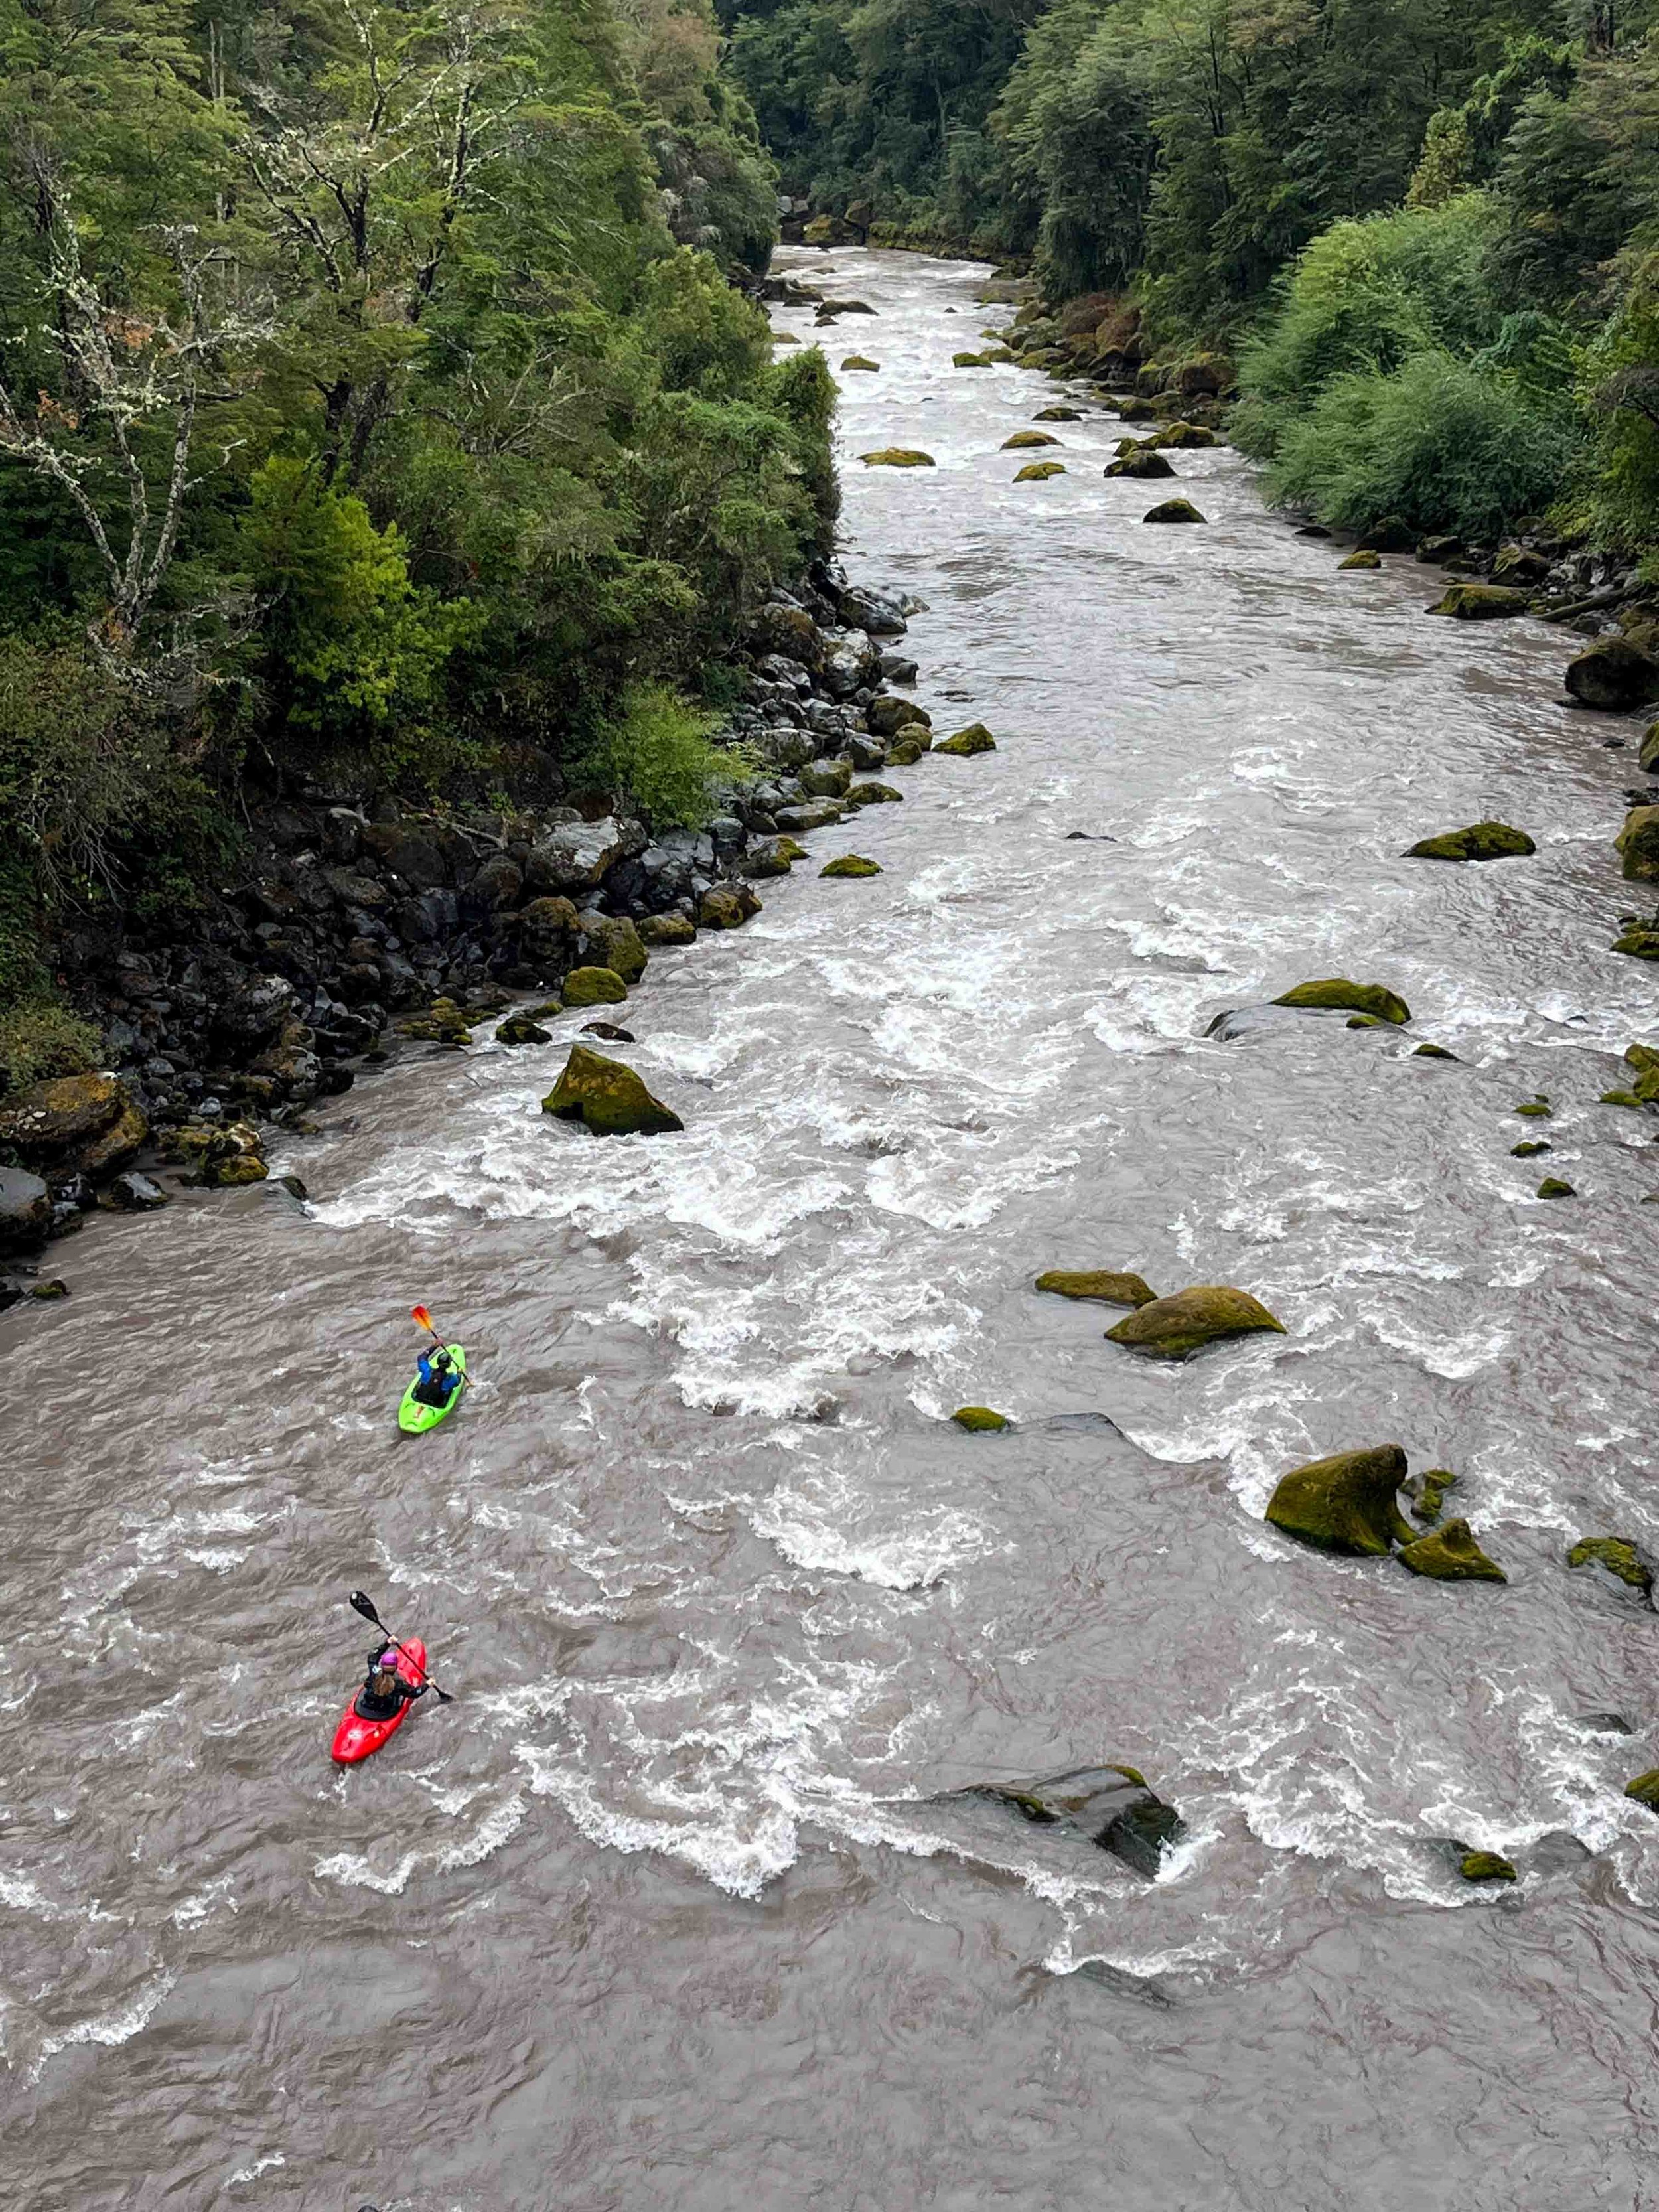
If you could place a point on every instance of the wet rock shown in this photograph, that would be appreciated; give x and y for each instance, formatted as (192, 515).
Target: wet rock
(970, 361)
(1337, 993)
(442, 1023)
(1529, 1148)
(1025, 441)
(14, 1289)
(573, 856)
(218, 1155)
(770, 856)
(963, 745)
(1100, 1285)
(1039, 471)
(980, 1420)
(1558, 1852)
(1450, 1554)
(1604, 1723)
(1486, 1866)
(829, 779)
(1058, 415)
(1431, 1052)
(612, 941)
(817, 814)
(850, 864)
(787, 630)
(519, 1029)
(897, 668)
(1649, 756)
(1644, 1059)
(1481, 841)
(1345, 1503)
(256, 1012)
(1618, 1557)
(1428, 1494)
(607, 1098)
(908, 748)
(1536, 1109)
(1645, 1789)
(548, 929)
(1173, 1327)
(877, 612)
(1312, 530)
(858, 361)
(887, 715)
(1392, 534)
(1637, 843)
(874, 794)
(134, 1193)
(897, 456)
(74, 1124)
(1141, 461)
(1137, 410)
(727, 906)
(1174, 510)
(1520, 564)
(1480, 603)
(1554, 1186)
(1113, 1806)
(26, 1211)
(849, 661)
(1613, 675)
(1437, 551)
(1184, 436)
(1363, 559)
(609, 1029)
(595, 986)
(1639, 940)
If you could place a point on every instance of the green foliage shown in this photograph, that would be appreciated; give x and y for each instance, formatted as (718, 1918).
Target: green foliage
(40, 1038)
(1445, 445)
(657, 750)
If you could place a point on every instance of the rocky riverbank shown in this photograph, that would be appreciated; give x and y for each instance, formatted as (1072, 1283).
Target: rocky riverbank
(361, 928)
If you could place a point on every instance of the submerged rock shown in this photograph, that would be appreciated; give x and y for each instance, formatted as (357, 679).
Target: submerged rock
(1604, 1723)
(1363, 559)
(1345, 1503)
(1481, 841)
(1431, 1492)
(1481, 602)
(1637, 842)
(1174, 510)
(1431, 1052)
(1173, 1327)
(963, 745)
(1617, 1556)
(1529, 1147)
(1613, 675)
(1450, 1554)
(607, 1098)
(595, 986)
(519, 1029)
(1336, 992)
(26, 1211)
(1102, 1286)
(897, 456)
(850, 864)
(1114, 1807)
(1554, 1186)
(608, 1029)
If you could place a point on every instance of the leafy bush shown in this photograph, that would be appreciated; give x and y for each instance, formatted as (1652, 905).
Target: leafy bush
(1447, 446)
(657, 750)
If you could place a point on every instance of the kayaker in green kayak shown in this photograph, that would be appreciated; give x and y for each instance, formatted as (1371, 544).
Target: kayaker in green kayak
(438, 1381)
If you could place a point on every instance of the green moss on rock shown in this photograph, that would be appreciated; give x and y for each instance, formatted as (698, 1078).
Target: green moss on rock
(970, 361)
(850, 864)
(963, 745)
(1102, 1286)
(1450, 1554)
(1619, 1555)
(1481, 602)
(858, 361)
(1432, 1052)
(897, 456)
(874, 794)
(1025, 441)
(1553, 1187)
(1174, 510)
(1336, 992)
(1529, 1148)
(1345, 1504)
(607, 1098)
(980, 1420)
(1039, 471)
(1139, 461)
(1430, 1496)
(1637, 843)
(1058, 415)
(595, 986)
(1486, 1866)
(1174, 1328)
(1481, 841)
(1363, 559)
(1645, 1789)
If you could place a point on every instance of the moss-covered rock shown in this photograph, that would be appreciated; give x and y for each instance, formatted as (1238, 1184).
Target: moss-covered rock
(963, 745)
(1173, 1327)
(1139, 461)
(897, 456)
(1481, 841)
(1364, 558)
(1486, 1866)
(887, 714)
(1617, 1556)
(1102, 1285)
(727, 906)
(519, 1029)
(1621, 1098)
(1137, 410)
(980, 1420)
(1649, 756)
(659, 929)
(1431, 1052)
(595, 986)
(1113, 1806)
(970, 361)
(443, 1023)
(1366, 1022)
(1338, 994)
(1058, 415)
(1613, 675)
(218, 1155)
(1535, 1109)
(607, 1098)
(858, 361)
(1530, 1147)
(1429, 1494)
(1450, 1554)
(1025, 441)
(1640, 939)
(906, 749)
(85, 1124)
(874, 794)
(850, 864)
(613, 941)
(1480, 603)
(1184, 436)
(1174, 510)
(1644, 1059)
(1039, 471)
(1554, 1186)
(1645, 1789)
(1345, 1503)
(1637, 843)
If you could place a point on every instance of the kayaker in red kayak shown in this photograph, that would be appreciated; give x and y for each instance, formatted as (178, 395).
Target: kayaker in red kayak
(384, 1692)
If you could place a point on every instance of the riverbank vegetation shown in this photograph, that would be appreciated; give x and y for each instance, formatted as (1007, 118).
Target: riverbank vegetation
(375, 410)
(1427, 237)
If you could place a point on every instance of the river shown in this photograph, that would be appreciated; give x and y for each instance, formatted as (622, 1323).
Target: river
(658, 1913)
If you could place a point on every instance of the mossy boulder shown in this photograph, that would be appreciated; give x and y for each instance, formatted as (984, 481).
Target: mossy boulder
(1617, 1556)
(1644, 1059)
(25, 1212)
(85, 1124)
(1347, 1502)
(1450, 1554)
(1184, 436)
(1174, 510)
(1645, 1789)
(595, 986)
(1039, 471)
(613, 941)
(980, 1420)
(1174, 1328)
(1535, 1109)
(897, 456)
(1649, 756)
(1481, 841)
(963, 745)
(1137, 410)
(443, 1023)
(1637, 844)
(219, 1155)
(1024, 440)
(1139, 461)
(1640, 939)
(1486, 1866)
(1480, 603)
(970, 361)
(1390, 533)
(1431, 1052)
(874, 794)
(727, 906)
(858, 361)
(1114, 1807)
(908, 748)
(658, 929)
(1058, 415)
(607, 1098)
(1429, 1494)
(519, 1029)
(887, 714)
(1530, 1148)
(1337, 994)
(1554, 1186)
(1613, 675)
(1102, 1286)
(1366, 1022)
(1364, 558)
(850, 864)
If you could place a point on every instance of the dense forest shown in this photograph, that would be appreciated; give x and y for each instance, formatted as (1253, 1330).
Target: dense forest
(375, 409)
(1428, 233)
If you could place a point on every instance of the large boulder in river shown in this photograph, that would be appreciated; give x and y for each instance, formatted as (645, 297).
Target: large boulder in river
(595, 986)
(963, 745)
(1480, 602)
(1613, 675)
(1450, 1554)
(74, 1125)
(573, 857)
(1336, 992)
(1481, 841)
(887, 714)
(612, 941)
(1113, 1806)
(1638, 843)
(25, 1212)
(1345, 1504)
(1171, 1328)
(1174, 510)
(897, 456)
(607, 1098)
(1022, 440)
(1039, 471)
(1100, 1285)
(1139, 461)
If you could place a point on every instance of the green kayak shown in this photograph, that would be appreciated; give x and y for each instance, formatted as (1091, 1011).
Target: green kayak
(415, 1417)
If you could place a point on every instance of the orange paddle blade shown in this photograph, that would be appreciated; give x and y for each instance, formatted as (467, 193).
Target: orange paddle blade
(420, 1315)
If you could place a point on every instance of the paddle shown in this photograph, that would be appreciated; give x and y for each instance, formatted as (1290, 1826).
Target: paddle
(420, 1315)
(361, 1602)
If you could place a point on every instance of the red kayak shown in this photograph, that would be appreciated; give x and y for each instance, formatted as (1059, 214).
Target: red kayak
(356, 1738)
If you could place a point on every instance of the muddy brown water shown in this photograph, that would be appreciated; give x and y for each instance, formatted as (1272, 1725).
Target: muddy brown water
(659, 1912)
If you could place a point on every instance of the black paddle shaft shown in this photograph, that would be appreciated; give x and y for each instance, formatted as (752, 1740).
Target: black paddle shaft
(361, 1602)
